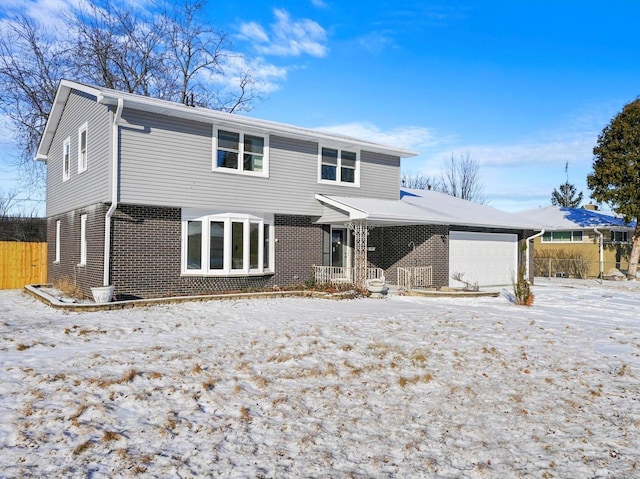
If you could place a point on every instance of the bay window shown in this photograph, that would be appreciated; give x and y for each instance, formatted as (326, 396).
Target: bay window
(238, 152)
(227, 244)
(338, 166)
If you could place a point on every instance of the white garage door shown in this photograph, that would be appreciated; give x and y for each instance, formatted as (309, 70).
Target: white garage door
(490, 259)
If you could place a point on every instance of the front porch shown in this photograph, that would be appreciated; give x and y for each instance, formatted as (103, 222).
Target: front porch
(338, 274)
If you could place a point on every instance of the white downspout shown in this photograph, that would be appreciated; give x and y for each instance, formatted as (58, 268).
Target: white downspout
(601, 253)
(526, 259)
(115, 157)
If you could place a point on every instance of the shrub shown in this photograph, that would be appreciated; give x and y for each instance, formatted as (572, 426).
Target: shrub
(573, 263)
(522, 291)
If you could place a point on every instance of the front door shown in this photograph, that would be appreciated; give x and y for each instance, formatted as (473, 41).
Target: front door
(339, 247)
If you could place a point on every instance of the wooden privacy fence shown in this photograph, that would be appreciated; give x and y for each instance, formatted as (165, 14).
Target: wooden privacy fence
(22, 263)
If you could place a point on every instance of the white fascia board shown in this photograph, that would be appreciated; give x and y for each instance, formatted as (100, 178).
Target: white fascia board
(62, 95)
(354, 214)
(233, 120)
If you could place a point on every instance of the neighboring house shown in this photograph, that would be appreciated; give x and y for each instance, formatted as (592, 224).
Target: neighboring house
(598, 241)
(159, 199)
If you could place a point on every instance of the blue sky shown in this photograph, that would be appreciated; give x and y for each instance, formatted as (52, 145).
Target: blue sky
(521, 87)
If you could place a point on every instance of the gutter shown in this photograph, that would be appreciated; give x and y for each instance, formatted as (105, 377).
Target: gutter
(601, 252)
(115, 157)
(527, 262)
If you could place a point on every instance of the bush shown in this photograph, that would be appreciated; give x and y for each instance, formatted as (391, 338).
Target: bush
(522, 291)
(573, 263)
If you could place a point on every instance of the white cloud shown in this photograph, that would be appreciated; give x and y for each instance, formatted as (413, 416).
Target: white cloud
(253, 31)
(410, 137)
(376, 42)
(286, 37)
(319, 4)
(266, 77)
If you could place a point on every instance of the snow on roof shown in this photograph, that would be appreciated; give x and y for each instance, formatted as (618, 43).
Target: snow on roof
(427, 207)
(562, 217)
(464, 212)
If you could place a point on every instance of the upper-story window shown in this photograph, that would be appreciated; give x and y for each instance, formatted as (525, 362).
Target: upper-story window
(82, 148)
(562, 237)
(339, 166)
(238, 152)
(66, 159)
(619, 237)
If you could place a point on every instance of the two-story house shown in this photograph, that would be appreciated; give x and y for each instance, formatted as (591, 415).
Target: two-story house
(161, 199)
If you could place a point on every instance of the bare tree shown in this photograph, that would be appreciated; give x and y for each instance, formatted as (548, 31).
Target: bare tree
(419, 181)
(166, 53)
(7, 202)
(461, 178)
(31, 65)
(117, 49)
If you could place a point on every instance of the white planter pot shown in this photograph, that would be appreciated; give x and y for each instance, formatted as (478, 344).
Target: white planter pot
(102, 294)
(377, 287)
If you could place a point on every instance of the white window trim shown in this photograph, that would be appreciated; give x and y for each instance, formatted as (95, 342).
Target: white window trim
(227, 219)
(66, 161)
(543, 240)
(240, 170)
(57, 258)
(82, 167)
(338, 180)
(621, 232)
(83, 240)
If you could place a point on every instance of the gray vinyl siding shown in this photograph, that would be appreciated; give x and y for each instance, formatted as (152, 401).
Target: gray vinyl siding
(332, 215)
(91, 186)
(167, 161)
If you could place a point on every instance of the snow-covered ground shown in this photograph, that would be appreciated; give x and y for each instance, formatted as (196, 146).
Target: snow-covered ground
(292, 387)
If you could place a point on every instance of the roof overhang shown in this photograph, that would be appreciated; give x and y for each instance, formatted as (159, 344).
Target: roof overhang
(161, 107)
(416, 210)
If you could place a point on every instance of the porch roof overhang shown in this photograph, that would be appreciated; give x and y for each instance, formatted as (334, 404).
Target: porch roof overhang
(419, 208)
(375, 211)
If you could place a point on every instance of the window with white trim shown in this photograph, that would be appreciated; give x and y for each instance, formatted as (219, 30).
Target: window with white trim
(239, 152)
(619, 236)
(66, 159)
(562, 237)
(227, 244)
(82, 148)
(83, 240)
(57, 259)
(338, 166)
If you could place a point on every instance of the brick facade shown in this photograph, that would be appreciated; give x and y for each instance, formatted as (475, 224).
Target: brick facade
(298, 249)
(68, 270)
(410, 246)
(146, 255)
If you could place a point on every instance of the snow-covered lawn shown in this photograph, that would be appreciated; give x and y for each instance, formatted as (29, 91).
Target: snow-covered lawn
(400, 387)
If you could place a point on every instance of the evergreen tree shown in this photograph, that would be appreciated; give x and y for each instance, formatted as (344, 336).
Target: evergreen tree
(616, 171)
(566, 196)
